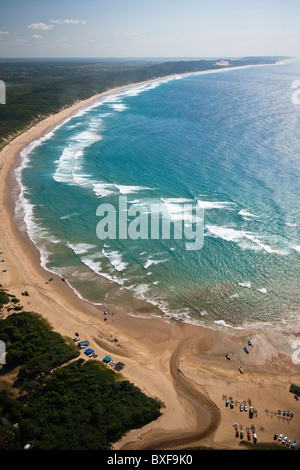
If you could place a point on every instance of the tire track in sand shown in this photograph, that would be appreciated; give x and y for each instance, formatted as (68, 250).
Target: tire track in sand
(206, 415)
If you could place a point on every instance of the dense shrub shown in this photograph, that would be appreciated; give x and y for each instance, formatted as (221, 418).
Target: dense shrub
(83, 405)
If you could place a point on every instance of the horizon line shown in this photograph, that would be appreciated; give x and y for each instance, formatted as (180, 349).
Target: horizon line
(141, 57)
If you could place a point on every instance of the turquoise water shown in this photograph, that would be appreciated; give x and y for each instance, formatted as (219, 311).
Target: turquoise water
(225, 141)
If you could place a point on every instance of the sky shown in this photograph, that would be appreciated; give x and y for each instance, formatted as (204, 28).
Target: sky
(149, 28)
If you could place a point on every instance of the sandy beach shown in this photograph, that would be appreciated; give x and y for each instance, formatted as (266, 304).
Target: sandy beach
(181, 364)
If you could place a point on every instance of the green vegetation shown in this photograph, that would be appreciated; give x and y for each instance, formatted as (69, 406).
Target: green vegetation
(37, 88)
(264, 446)
(62, 405)
(4, 298)
(9, 301)
(33, 345)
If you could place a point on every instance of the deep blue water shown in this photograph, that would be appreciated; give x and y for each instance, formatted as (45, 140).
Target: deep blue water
(228, 141)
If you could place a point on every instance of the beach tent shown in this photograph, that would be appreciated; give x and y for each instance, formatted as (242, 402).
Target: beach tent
(88, 351)
(295, 389)
(106, 359)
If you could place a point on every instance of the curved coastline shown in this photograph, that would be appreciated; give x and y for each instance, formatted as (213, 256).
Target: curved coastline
(181, 364)
(33, 227)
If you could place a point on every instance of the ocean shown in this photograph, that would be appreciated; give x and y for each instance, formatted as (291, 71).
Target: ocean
(227, 142)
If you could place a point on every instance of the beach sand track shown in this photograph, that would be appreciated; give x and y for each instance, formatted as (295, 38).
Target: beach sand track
(202, 411)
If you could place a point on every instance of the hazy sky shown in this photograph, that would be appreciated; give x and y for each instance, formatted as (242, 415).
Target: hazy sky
(154, 28)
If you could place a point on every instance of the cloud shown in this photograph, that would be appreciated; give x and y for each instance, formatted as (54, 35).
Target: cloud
(37, 36)
(4, 32)
(68, 21)
(41, 26)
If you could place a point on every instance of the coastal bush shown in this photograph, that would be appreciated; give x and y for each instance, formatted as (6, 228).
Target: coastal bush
(33, 345)
(83, 405)
(4, 298)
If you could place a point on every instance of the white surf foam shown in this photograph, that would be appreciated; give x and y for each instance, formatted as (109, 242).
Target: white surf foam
(69, 165)
(151, 261)
(118, 106)
(126, 189)
(247, 215)
(204, 313)
(81, 248)
(245, 240)
(96, 267)
(69, 216)
(227, 325)
(115, 258)
(234, 296)
(291, 224)
(263, 290)
(215, 204)
(103, 189)
(245, 284)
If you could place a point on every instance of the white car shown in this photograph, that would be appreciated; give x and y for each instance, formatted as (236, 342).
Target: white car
(280, 437)
(284, 440)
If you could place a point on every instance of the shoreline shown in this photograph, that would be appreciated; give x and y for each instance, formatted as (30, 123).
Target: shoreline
(183, 365)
